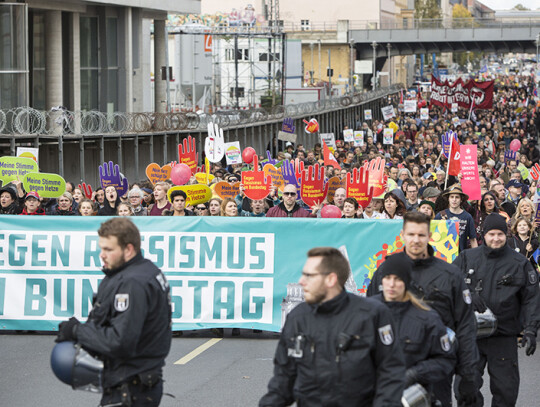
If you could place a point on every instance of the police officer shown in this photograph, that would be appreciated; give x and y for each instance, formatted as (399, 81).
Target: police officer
(427, 347)
(336, 349)
(129, 327)
(441, 286)
(505, 282)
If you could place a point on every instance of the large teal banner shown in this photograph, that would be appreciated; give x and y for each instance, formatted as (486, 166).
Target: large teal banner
(223, 272)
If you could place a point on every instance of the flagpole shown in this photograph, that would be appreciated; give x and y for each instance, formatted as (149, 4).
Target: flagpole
(448, 165)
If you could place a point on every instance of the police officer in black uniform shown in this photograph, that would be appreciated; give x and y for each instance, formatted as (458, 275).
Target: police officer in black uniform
(129, 327)
(429, 353)
(336, 349)
(505, 282)
(441, 286)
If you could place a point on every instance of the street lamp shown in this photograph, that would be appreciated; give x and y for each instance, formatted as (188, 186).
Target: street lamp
(537, 62)
(374, 45)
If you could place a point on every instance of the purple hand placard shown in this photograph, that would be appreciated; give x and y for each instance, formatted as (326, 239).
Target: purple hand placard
(446, 140)
(110, 175)
(288, 125)
(509, 155)
(289, 174)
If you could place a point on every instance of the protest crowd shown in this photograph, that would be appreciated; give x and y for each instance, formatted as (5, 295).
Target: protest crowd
(368, 172)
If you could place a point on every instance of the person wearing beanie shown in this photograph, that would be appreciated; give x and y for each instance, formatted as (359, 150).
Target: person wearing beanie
(11, 198)
(429, 353)
(504, 281)
(427, 208)
(440, 285)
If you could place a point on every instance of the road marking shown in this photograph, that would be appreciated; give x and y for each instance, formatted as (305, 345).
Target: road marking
(196, 352)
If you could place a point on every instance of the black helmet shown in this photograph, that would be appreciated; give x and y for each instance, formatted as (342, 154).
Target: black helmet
(76, 367)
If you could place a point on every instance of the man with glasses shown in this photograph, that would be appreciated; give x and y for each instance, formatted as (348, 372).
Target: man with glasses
(288, 208)
(412, 200)
(336, 348)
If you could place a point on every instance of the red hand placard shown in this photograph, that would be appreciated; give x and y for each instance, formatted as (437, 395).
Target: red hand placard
(87, 190)
(377, 179)
(358, 186)
(298, 169)
(256, 185)
(535, 172)
(188, 154)
(314, 188)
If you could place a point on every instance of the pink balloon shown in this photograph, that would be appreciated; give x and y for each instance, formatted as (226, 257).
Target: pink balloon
(248, 154)
(515, 145)
(330, 211)
(180, 174)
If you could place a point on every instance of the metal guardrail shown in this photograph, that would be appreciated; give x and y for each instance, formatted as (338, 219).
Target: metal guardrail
(62, 122)
(414, 24)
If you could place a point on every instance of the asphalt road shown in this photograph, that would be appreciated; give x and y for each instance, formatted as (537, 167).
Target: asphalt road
(231, 372)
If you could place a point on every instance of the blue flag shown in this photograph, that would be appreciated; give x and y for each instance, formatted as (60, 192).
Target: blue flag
(535, 255)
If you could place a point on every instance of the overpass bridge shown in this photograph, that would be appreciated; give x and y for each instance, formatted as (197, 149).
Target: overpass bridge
(439, 35)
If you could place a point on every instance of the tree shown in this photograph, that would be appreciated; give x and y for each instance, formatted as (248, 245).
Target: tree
(520, 7)
(427, 9)
(463, 18)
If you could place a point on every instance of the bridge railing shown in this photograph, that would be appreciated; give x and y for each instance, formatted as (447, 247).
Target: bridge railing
(414, 24)
(59, 121)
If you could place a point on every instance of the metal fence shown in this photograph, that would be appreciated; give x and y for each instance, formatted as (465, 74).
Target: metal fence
(74, 144)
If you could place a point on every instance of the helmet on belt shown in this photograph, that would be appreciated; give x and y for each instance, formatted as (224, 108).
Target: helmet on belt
(486, 323)
(415, 396)
(76, 367)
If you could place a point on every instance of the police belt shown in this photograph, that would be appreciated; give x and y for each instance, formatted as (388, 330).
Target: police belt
(145, 380)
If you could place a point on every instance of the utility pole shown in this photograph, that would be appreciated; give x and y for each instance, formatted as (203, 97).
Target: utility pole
(351, 71)
(389, 53)
(374, 45)
(329, 75)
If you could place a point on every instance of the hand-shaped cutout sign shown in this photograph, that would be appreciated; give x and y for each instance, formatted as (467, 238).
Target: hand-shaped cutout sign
(86, 189)
(256, 184)
(214, 144)
(377, 178)
(358, 186)
(110, 175)
(188, 154)
(314, 188)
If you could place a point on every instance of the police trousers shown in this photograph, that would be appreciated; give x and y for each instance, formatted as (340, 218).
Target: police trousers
(132, 394)
(500, 355)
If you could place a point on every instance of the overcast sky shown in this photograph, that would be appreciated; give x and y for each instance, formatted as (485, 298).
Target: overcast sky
(508, 4)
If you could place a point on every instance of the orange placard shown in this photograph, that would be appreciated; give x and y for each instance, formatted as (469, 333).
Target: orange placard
(333, 184)
(277, 176)
(225, 190)
(155, 173)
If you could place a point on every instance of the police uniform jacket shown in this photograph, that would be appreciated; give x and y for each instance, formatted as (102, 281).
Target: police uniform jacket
(423, 337)
(338, 353)
(507, 283)
(441, 286)
(130, 323)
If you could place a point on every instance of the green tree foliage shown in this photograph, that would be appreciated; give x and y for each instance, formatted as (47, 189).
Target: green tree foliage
(521, 7)
(427, 9)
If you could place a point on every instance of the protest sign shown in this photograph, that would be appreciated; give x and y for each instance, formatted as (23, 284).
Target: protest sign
(46, 185)
(367, 114)
(288, 125)
(233, 154)
(455, 121)
(348, 135)
(388, 112)
(187, 153)
(409, 106)
(15, 168)
(358, 186)
(329, 139)
(466, 94)
(312, 126)
(196, 194)
(393, 126)
(388, 136)
(28, 152)
(377, 179)
(470, 180)
(214, 144)
(222, 272)
(454, 108)
(314, 188)
(256, 184)
(110, 175)
(156, 174)
(333, 184)
(286, 136)
(204, 178)
(358, 138)
(277, 176)
(225, 190)
(424, 113)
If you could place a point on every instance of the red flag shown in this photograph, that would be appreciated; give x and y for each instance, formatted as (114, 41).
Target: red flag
(454, 166)
(329, 158)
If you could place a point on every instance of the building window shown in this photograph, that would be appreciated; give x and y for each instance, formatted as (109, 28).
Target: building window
(112, 64)
(38, 86)
(263, 57)
(242, 54)
(240, 93)
(305, 25)
(89, 63)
